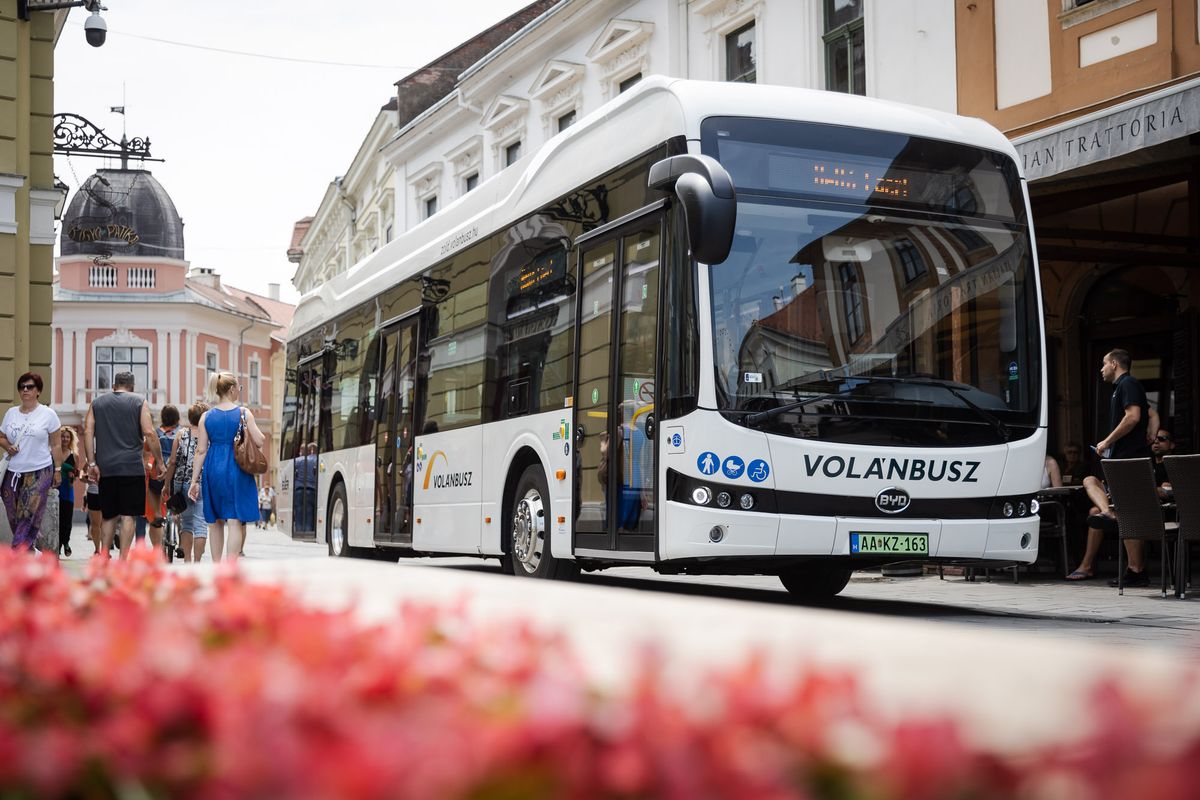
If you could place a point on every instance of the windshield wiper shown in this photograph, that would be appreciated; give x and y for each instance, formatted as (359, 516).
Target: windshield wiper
(997, 424)
(771, 413)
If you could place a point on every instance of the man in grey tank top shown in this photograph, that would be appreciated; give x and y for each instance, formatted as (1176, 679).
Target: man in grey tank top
(114, 432)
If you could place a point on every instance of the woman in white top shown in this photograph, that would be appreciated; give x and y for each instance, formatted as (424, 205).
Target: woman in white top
(1051, 475)
(30, 434)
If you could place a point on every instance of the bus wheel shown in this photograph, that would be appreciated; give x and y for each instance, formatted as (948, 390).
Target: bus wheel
(335, 523)
(815, 579)
(529, 530)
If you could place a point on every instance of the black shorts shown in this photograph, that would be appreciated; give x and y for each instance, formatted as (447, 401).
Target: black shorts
(122, 496)
(91, 501)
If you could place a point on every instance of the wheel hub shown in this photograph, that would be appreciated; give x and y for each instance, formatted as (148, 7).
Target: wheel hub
(529, 531)
(337, 522)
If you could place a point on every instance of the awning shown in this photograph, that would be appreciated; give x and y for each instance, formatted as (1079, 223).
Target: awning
(1144, 121)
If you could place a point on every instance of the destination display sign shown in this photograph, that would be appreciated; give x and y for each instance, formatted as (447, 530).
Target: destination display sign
(543, 270)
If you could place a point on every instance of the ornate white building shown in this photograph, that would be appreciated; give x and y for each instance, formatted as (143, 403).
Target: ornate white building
(554, 62)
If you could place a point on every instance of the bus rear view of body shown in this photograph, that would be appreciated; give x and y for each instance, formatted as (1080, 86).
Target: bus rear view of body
(713, 328)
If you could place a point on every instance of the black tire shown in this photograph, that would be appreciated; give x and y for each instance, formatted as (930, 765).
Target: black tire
(815, 580)
(527, 531)
(336, 518)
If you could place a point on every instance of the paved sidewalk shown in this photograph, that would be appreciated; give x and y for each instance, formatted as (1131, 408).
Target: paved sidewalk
(1011, 689)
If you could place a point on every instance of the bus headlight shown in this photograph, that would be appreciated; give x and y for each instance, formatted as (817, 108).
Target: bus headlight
(724, 499)
(746, 501)
(1034, 506)
(1007, 510)
(1021, 509)
(701, 495)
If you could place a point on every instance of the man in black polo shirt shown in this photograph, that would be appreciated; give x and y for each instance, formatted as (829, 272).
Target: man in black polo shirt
(1128, 419)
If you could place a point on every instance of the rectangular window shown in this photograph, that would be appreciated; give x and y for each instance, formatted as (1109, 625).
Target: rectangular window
(739, 55)
(111, 360)
(566, 120)
(254, 388)
(470, 182)
(512, 153)
(532, 301)
(210, 363)
(628, 83)
(845, 60)
(430, 206)
(851, 301)
(457, 346)
(910, 259)
(287, 439)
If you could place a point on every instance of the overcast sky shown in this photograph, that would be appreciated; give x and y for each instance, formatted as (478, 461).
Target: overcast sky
(250, 142)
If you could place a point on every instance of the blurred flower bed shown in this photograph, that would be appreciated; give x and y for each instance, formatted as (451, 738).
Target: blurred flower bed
(138, 681)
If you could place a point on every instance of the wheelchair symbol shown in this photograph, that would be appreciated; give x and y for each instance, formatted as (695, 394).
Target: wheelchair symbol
(758, 470)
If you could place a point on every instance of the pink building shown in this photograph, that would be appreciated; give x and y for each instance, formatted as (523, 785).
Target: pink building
(124, 299)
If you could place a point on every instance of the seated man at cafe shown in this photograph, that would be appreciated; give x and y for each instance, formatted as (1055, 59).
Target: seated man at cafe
(1102, 519)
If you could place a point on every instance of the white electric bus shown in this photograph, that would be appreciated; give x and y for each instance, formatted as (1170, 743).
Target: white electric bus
(710, 328)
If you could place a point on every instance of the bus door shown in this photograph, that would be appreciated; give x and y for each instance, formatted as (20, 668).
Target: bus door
(397, 426)
(304, 466)
(616, 501)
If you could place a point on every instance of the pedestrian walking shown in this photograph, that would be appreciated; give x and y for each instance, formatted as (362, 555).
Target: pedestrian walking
(117, 427)
(229, 493)
(264, 508)
(91, 501)
(193, 529)
(168, 419)
(69, 442)
(29, 435)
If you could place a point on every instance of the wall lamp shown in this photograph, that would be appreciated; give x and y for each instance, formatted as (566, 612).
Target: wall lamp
(94, 27)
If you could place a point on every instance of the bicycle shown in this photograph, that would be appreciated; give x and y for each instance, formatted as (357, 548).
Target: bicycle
(170, 540)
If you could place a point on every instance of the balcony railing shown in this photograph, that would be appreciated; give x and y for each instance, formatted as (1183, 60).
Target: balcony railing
(141, 277)
(101, 277)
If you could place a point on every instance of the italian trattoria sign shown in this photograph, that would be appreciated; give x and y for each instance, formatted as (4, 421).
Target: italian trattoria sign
(1158, 118)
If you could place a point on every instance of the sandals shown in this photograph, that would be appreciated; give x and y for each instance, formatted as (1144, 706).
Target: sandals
(1080, 575)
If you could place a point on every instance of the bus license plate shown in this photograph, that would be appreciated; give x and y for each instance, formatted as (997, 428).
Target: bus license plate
(904, 544)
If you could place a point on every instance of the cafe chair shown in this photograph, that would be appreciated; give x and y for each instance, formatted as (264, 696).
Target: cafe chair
(1184, 473)
(1139, 510)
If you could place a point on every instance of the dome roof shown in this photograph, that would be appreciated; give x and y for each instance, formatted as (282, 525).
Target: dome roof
(122, 212)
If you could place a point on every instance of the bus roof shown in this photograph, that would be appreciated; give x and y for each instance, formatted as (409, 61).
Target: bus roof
(655, 110)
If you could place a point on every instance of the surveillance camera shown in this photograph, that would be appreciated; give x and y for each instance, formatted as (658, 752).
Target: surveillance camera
(95, 29)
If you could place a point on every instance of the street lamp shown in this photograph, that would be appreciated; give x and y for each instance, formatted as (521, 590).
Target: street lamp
(60, 203)
(94, 27)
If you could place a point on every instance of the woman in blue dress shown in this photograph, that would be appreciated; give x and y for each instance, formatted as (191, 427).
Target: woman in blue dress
(230, 494)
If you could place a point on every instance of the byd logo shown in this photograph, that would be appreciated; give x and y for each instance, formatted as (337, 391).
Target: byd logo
(892, 500)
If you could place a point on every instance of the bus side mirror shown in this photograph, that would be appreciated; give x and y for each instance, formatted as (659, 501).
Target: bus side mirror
(706, 192)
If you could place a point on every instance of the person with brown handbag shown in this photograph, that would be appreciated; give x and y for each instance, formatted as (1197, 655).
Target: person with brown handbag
(227, 437)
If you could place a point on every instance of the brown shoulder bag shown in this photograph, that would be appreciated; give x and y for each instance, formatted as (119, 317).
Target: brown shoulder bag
(250, 458)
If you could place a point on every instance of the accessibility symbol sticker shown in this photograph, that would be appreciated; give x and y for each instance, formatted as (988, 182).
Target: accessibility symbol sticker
(733, 467)
(758, 470)
(708, 462)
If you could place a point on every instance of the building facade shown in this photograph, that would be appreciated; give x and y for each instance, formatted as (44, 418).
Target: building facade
(28, 197)
(569, 57)
(1102, 99)
(126, 299)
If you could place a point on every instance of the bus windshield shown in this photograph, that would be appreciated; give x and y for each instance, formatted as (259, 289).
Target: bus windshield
(903, 312)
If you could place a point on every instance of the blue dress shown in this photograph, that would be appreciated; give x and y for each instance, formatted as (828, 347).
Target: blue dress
(227, 491)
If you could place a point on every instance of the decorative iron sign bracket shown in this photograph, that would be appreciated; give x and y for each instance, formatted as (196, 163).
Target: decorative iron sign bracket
(76, 136)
